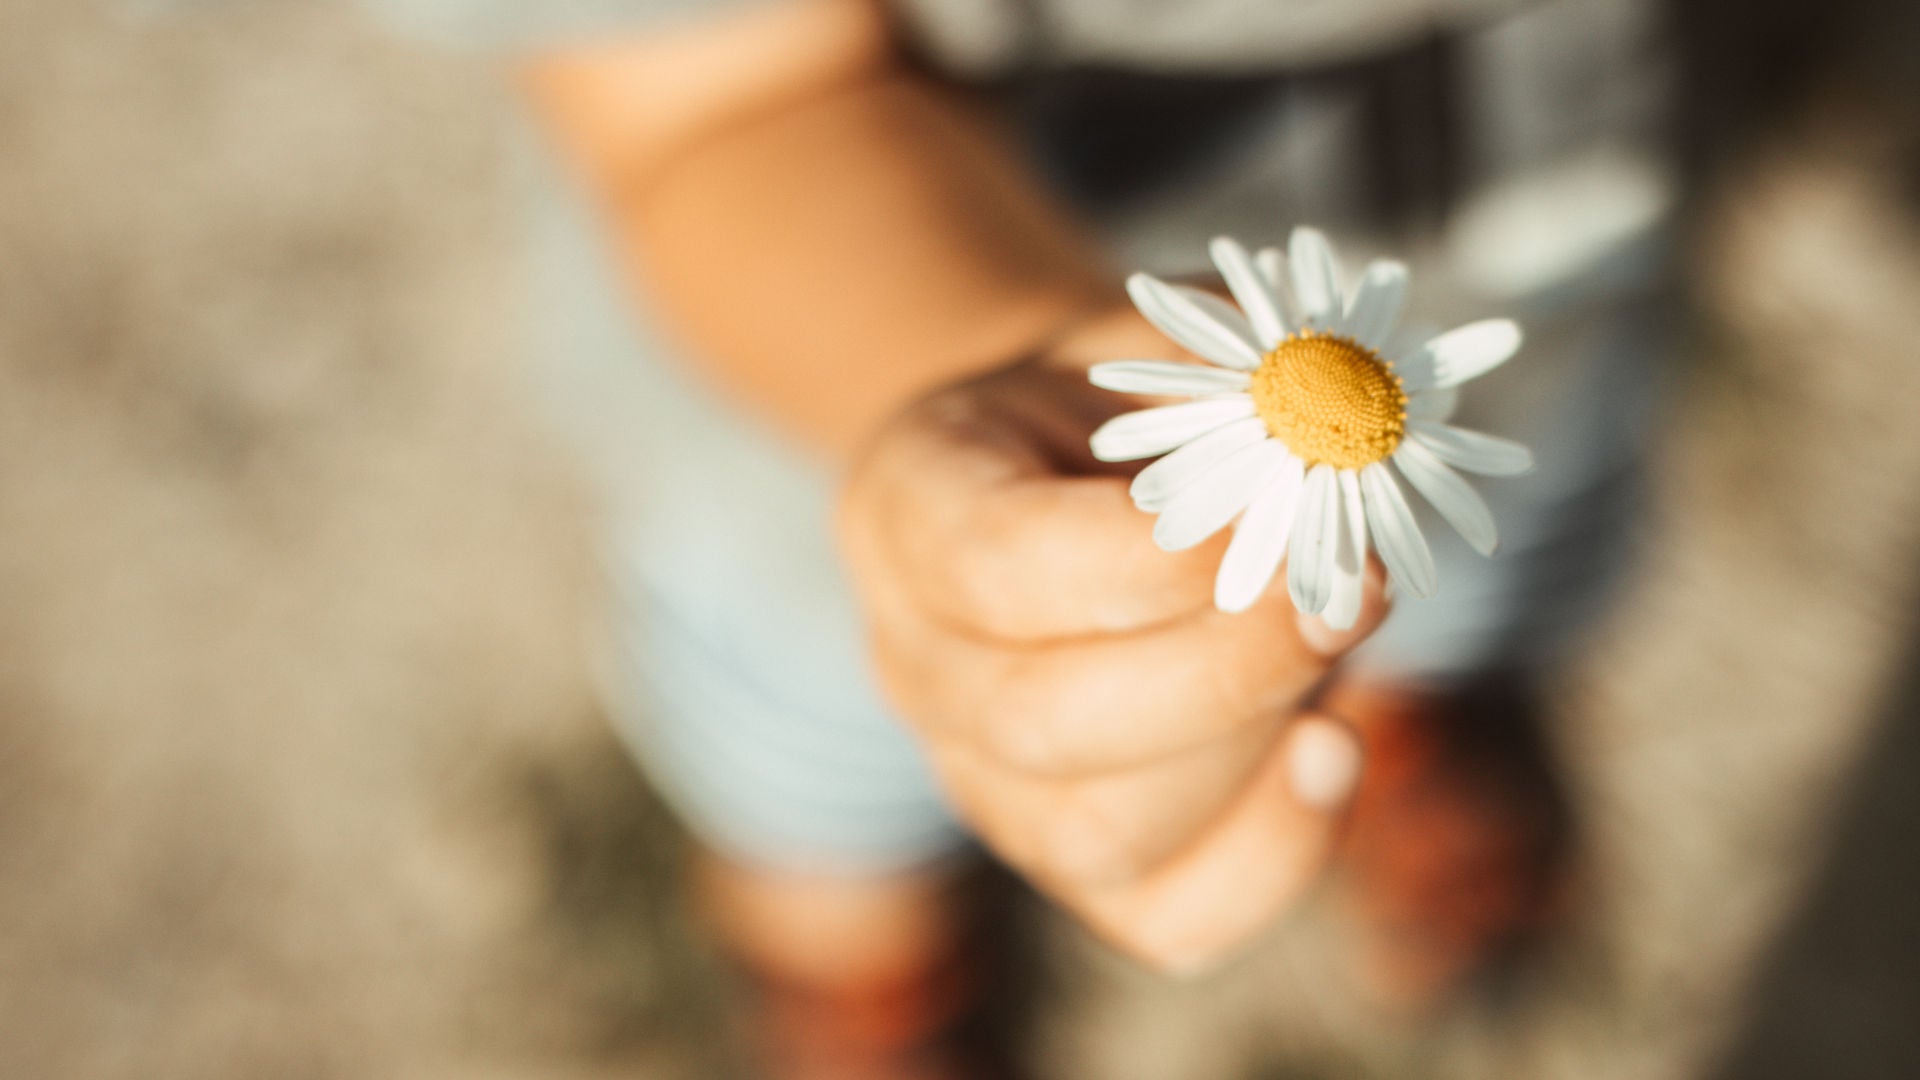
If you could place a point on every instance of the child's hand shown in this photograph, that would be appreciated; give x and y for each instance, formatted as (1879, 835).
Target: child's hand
(1139, 755)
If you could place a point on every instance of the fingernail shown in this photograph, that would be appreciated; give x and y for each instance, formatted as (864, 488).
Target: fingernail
(1322, 638)
(1323, 764)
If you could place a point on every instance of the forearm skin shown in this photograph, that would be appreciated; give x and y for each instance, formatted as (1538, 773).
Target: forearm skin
(826, 232)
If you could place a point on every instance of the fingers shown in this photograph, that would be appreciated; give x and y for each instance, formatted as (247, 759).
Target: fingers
(1090, 712)
(1101, 704)
(1175, 895)
(1243, 871)
(1106, 829)
(969, 504)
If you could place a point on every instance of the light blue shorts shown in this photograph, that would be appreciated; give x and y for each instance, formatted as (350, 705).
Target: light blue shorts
(734, 660)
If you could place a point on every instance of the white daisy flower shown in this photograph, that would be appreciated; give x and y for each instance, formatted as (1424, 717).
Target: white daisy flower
(1293, 423)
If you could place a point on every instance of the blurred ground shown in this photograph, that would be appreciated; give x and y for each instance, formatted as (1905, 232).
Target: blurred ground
(300, 771)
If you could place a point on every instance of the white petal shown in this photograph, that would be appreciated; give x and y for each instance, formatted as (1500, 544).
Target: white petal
(1456, 500)
(1375, 308)
(1466, 352)
(1223, 313)
(1354, 504)
(1272, 264)
(1470, 450)
(1315, 542)
(1343, 608)
(1178, 317)
(1316, 278)
(1259, 541)
(1205, 506)
(1165, 377)
(1343, 604)
(1151, 432)
(1159, 482)
(1433, 404)
(1396, 534)
(1415, 369)
(1250, 290)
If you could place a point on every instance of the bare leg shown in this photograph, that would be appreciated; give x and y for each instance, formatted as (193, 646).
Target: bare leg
(855, 977)
(1459, 850)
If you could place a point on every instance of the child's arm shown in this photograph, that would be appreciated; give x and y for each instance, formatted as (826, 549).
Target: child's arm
(827, 231)
(834, 236)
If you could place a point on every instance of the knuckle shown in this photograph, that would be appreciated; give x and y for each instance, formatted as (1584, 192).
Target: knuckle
(974, 587)
(1020, 738)
(900, 678)
(1034, 722)
(1085, 844)
(1017, 731)
(977, 583)
(1075, 717)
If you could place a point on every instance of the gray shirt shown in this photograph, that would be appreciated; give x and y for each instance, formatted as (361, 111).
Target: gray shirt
(983, 37)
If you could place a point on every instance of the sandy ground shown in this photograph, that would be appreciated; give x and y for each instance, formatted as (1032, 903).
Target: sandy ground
(300, 768)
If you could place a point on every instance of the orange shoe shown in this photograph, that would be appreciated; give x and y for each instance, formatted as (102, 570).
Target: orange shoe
(877, 980)
(1458, 854)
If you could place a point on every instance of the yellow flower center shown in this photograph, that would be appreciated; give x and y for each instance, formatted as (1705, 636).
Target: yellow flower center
(1331, 399)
